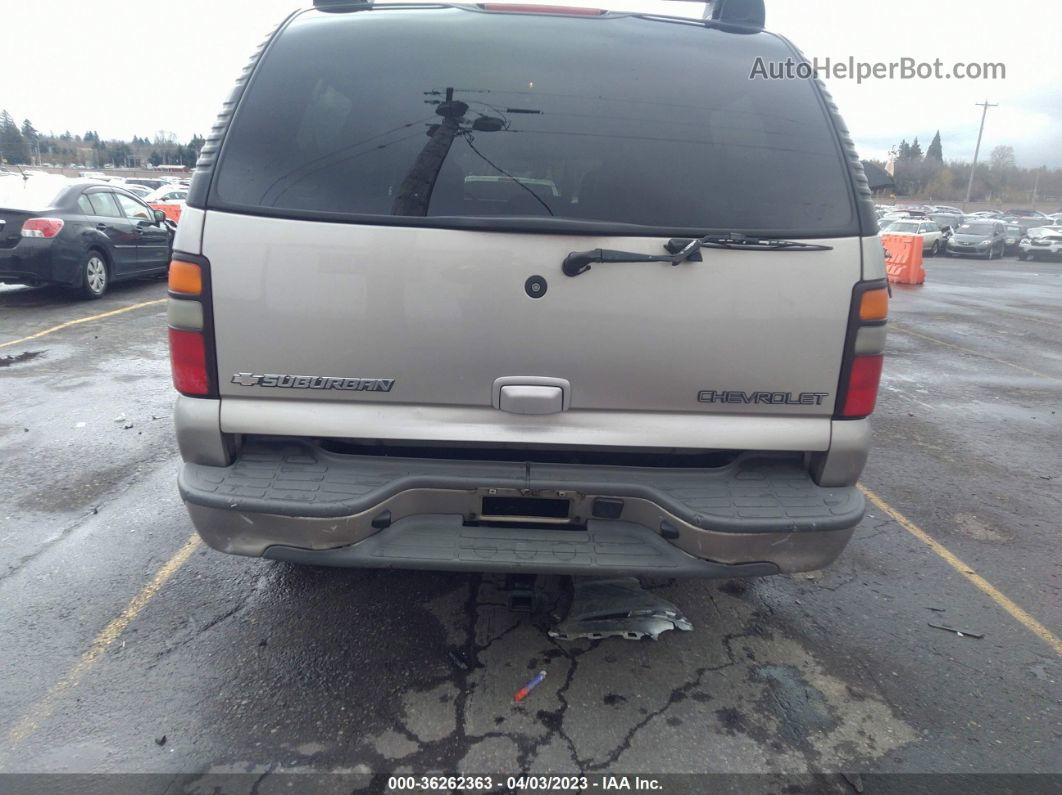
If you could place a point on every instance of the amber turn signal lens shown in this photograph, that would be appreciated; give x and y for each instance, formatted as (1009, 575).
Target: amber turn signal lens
(874, 305)
(186, 278)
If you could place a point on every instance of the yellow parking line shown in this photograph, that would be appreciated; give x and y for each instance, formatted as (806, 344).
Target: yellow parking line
(40, 711)
(88, 319)
(902, 330)
(993, 593)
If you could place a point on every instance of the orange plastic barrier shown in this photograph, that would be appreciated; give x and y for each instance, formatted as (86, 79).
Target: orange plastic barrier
(173, 211)
(903, 259)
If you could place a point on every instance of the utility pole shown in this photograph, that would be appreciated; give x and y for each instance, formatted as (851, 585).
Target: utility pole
(1036, 186)
(415, 191)
(984, 113)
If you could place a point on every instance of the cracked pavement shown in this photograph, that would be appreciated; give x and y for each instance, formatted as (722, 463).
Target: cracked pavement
(263, 669)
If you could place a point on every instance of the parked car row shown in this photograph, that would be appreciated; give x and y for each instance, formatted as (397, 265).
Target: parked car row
(987, 233)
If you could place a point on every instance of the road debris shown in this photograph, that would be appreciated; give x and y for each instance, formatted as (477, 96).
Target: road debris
(521, 694)
(160, 741)
(962, 633)
(458, 660)
(617, 608)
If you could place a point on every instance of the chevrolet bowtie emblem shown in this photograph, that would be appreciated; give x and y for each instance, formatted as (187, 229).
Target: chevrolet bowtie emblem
(245, 379)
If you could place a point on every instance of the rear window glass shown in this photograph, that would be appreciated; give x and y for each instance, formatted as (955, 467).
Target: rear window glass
(447, 113)
(903, 226)
(977, 229)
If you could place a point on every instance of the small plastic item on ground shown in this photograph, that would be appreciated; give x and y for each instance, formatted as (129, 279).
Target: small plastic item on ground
(521, 694)
(458, 660)
(617, 608)
(962, 633)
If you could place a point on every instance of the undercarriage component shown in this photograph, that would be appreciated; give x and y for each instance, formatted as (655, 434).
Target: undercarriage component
(617, 608)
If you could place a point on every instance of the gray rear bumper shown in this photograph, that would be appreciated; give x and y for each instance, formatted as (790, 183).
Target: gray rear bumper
(444, 543)
(291, 500)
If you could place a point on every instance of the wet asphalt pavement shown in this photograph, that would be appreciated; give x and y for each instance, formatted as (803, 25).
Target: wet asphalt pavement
(256, 667)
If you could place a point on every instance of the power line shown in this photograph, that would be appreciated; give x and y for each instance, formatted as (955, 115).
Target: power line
(468, 140)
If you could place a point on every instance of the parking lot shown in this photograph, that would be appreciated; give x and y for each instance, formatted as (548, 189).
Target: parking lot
(131, 647)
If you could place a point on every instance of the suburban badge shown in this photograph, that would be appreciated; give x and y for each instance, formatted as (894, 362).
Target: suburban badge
(279, 381)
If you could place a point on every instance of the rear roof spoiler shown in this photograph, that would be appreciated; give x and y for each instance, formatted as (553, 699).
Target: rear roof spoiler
(342, 5)
(749, 14)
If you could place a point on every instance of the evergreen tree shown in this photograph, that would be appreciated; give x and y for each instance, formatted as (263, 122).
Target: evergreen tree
(29, 132)
(12, 144)
(916, 150)
(32, 139)
(936, 150)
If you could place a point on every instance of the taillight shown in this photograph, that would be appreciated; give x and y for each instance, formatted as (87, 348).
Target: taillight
(188, 362)
(863, 383)
(191, 332)
(864, 351)
(42, 227)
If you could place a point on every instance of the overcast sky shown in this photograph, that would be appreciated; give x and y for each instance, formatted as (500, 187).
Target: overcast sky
(134, 69)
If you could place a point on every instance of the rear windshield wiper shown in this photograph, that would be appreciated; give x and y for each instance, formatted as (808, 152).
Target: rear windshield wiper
(685, 250)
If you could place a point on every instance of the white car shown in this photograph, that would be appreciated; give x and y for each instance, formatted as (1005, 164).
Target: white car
(930, 232)
(136, 190)
(1041, 241)
(167, 194)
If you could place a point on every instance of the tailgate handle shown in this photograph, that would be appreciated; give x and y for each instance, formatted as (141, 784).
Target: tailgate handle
(531, 399)
(531, 395)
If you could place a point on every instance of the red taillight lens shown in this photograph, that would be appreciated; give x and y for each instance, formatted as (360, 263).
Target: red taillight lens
(863, 381)
(42, 227)
(188, 362)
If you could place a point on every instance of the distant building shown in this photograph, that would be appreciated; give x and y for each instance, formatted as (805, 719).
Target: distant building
(880, 180)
